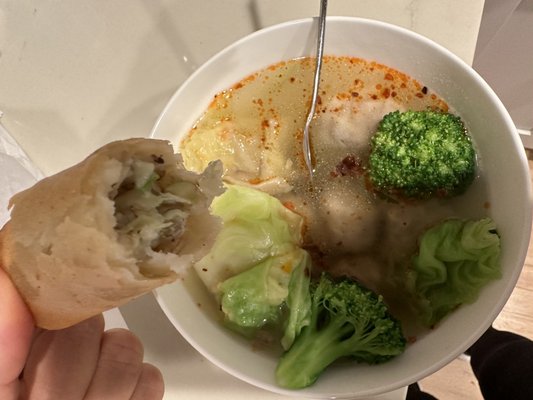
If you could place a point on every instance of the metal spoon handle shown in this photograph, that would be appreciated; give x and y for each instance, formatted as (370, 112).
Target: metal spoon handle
(316, 82)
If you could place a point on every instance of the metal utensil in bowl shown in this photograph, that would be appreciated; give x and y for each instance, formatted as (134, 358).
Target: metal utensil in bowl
(307, 150)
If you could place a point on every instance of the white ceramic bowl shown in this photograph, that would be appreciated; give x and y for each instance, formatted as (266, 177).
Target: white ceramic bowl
(499, 148)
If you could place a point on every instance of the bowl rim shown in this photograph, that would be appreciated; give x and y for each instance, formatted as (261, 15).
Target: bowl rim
(304, 21)
(472, 74)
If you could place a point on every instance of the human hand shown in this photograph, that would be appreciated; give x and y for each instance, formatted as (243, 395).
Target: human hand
(78, 363)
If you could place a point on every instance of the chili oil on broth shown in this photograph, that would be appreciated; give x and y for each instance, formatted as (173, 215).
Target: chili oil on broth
(256, 129)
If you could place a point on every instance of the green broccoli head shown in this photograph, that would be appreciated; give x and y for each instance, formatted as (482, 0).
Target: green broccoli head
(421, 154)
(347, 320)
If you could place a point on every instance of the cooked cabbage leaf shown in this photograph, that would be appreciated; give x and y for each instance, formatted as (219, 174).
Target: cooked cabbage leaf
(256, 268)
(455, 260)
(256, 226)
(254, 298)
(298, 301)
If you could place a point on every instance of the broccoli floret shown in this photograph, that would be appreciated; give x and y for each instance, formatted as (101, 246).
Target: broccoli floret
(347, 320)
(421, 154)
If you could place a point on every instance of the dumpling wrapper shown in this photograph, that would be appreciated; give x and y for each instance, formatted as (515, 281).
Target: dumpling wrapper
(73, 253)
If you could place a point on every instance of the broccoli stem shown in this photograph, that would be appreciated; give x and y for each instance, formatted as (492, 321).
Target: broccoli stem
(313, 351)
(347, 320)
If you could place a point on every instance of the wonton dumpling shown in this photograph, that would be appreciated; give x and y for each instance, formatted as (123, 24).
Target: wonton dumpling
(347, 223)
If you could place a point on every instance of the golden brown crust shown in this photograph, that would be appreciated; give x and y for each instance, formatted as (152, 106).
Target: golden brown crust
(60, 247)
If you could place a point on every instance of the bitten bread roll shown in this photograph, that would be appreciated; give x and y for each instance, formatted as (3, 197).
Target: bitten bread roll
(127, 219)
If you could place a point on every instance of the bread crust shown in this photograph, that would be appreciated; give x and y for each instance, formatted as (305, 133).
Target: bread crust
(60, 247)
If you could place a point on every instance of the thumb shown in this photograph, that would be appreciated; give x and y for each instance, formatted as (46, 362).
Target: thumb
(16, 330)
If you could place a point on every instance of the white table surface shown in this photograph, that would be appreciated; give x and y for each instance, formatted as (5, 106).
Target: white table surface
(77, 74)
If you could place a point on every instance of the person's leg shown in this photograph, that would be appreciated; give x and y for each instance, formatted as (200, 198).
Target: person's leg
(503, 364)
(414, 393)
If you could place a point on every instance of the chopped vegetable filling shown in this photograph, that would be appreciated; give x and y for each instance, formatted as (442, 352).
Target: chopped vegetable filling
(151, 217)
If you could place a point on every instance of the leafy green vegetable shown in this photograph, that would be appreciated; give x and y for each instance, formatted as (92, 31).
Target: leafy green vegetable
(455, 260)
(256, 266)
(346, 320)
(421, 154)
(256, 226)
(143, 174)
(298, 301)
(254, 298)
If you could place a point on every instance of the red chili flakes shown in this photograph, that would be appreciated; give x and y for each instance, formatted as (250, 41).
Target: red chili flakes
(350, 165)
(289, 205)
(254, 181)
(244, 81)
(214, 102)
(265, 123)
(292, 79)
(419, 95)
(342, 96)
(424, 90)
(386, 93)
(389, 77)
(355, 94)
(393, 94)
(359, 84)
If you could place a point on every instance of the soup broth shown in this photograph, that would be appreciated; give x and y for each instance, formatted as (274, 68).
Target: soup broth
(256, 129)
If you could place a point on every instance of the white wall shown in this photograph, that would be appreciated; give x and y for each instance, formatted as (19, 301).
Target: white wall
(504, 57)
